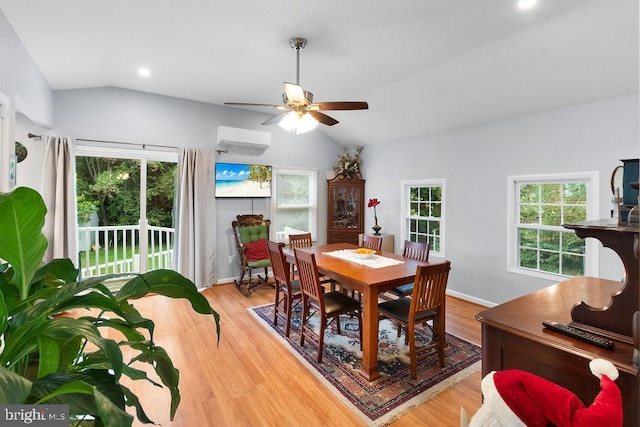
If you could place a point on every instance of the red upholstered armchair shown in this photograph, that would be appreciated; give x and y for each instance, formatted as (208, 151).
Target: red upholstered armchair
(251, 233)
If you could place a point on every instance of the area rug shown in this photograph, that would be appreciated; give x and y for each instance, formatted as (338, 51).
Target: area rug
(379, 402)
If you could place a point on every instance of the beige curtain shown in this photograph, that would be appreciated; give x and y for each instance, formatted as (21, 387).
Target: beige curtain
(195, 218)
(58, 192)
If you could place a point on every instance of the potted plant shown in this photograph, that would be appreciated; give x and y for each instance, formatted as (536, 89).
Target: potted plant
(46, 358)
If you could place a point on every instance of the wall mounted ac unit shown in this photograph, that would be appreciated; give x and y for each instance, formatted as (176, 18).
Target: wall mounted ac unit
(228, 136)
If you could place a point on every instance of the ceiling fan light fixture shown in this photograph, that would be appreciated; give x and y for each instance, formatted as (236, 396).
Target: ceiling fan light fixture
(298, 123)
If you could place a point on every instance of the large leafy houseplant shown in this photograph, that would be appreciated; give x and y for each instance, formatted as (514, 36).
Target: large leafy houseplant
(46, 357)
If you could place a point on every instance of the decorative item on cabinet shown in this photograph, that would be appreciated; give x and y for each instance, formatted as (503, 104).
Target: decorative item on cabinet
(348, 166)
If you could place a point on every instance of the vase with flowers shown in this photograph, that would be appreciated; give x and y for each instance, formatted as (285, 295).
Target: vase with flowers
(372, 204)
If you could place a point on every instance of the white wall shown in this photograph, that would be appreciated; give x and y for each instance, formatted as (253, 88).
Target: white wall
(122, 115)
(476, 162)
(24, 88)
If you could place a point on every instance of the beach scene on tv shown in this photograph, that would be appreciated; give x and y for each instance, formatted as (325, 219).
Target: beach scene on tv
(243, 180)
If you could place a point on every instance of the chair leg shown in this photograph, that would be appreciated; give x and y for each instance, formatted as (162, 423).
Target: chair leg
(442, 340)
(240, 277)
(410, 332)
(289, 310)
(323, 326)
(360, 327)
(275, 308)
(303, 321)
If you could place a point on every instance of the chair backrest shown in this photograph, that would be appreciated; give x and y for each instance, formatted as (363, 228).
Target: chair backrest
(372, 242)
(429, 287)
(416, 250)
(303, 240)
(309, 277)
(250, 228)
(278, 264)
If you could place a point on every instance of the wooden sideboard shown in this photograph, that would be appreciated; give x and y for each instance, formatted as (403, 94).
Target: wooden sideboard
(513, 336)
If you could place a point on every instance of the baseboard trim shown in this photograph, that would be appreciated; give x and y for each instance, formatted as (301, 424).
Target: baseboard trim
(470, 298)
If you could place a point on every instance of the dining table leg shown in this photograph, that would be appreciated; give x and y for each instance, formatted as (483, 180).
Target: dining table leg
(369, 367)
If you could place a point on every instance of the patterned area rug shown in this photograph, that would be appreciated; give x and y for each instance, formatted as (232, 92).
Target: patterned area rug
(389, 397)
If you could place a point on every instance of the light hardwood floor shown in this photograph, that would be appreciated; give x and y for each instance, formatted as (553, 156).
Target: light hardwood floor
(251, 379)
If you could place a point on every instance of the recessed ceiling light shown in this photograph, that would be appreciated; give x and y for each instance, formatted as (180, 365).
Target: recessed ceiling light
(526, 4)
(144, 72)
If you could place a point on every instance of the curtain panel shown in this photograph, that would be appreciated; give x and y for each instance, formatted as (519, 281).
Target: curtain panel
(59, 194)
(195, 255)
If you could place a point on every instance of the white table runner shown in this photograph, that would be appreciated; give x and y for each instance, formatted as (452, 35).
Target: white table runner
(376, 262)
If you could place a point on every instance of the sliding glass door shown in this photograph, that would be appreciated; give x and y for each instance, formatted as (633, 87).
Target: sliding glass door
(125, 210)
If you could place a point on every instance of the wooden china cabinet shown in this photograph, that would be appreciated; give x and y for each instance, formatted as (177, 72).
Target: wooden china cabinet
(345, 210)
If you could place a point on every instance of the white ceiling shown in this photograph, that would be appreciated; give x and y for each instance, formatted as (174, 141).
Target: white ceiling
(423, 65)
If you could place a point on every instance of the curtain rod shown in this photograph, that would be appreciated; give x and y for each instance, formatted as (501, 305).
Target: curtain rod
(143, 145)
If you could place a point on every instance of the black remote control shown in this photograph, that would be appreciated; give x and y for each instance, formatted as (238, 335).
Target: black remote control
(580, 334)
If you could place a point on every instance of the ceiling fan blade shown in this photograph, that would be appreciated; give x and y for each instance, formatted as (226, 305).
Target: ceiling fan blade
(294, 93)
(274, 119)
(250, 104)
(340, 105)
(323, 118)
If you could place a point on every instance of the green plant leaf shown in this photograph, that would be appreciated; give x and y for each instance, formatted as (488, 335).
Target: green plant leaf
(4, 315)
(51, 362)
(22, 243)
(168, 374)
(14, 388)
(132, 400)
(110, 414)
(170, 284)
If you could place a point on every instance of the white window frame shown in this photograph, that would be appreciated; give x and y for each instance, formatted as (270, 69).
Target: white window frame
(591, 179)
(405, 187)
(312, 174)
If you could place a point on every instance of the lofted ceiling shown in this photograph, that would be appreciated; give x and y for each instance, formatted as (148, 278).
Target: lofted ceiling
(424, 66)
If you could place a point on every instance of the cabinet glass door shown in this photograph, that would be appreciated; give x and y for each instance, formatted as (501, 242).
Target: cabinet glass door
(346, 202)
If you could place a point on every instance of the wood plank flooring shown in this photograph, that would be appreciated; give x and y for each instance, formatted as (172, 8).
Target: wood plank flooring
(251, 379)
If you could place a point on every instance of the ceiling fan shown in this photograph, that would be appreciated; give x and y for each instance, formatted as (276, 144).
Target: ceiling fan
(299, 110)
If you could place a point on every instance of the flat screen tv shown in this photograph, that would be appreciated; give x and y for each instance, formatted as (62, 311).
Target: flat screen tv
(242, 180)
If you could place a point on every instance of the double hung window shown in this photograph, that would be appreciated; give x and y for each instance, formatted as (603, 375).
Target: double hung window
(294, 204)
(423, 205)
(539, 205)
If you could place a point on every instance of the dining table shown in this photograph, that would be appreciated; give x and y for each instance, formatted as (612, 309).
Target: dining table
(391, 270)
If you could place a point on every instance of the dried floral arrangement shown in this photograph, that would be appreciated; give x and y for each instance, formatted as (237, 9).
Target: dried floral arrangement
(349, 165)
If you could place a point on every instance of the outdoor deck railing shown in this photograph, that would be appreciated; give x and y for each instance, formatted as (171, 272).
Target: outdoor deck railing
(115, 249)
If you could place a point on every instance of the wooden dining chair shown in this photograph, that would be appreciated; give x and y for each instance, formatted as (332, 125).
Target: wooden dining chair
(301, 240)
(414, 250)
(372, 242)
(304, 240)
(427, 303)
(328, 305)
(287, 290)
